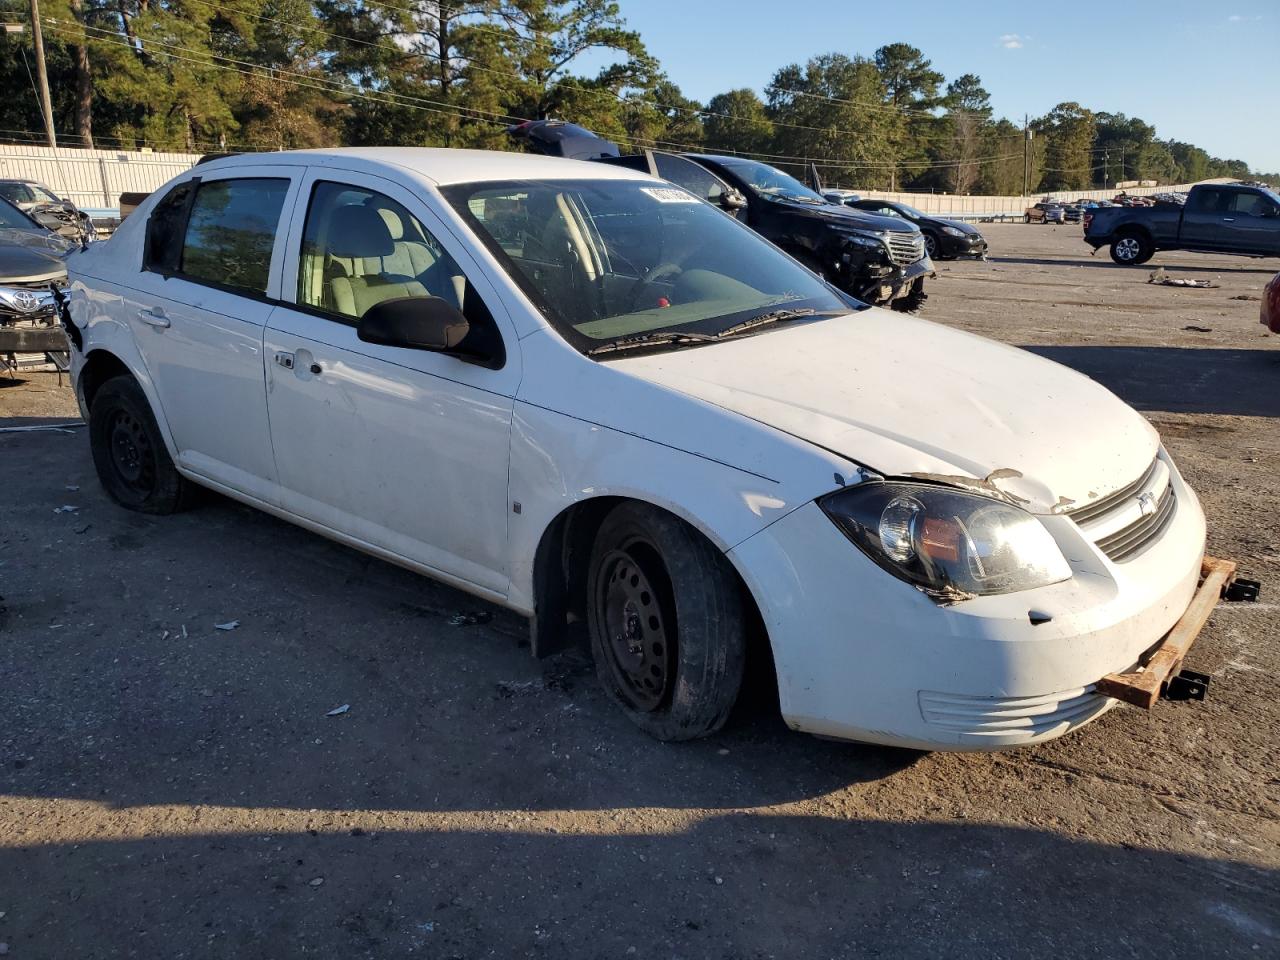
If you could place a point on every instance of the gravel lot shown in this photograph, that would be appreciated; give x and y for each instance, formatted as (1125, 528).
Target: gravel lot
(170, 790)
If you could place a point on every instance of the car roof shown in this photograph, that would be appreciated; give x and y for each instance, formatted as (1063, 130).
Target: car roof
(441, 165)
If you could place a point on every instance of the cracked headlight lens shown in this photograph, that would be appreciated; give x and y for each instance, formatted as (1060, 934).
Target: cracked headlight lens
(951, 544)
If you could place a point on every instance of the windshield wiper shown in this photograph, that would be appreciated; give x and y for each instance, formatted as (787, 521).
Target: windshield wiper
(777, 316)
(656, 338)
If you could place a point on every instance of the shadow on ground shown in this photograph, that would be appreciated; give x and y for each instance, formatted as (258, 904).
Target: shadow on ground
(728, 886)
(1180, 379)
(1104, 261)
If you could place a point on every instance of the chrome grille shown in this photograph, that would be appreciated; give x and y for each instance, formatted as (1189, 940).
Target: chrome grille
(1123, 523)
(1130, 540)
(906, 248)
(1004, 716)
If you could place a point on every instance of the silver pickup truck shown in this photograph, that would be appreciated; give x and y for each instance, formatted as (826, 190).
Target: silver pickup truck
(1217, 218)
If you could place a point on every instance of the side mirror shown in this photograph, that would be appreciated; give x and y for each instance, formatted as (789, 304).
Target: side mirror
(732, 200)
(418, 323)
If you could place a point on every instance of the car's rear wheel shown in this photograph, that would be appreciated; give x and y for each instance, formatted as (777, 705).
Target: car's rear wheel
(665, 613)
(1131, 249)
(129, 453)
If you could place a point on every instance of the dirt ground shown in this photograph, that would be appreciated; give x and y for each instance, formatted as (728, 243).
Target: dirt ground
(173, 790)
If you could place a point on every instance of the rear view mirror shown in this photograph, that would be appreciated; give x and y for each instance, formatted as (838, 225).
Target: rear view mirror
(418, 323)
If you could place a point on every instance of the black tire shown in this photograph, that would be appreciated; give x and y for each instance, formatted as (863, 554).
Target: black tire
(1027, 217)
(1131, 249)
(668, 631)
(931, 246)
(129, 453)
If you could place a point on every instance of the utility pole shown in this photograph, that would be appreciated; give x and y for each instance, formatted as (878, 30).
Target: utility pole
(42, 74)
(1027, 152)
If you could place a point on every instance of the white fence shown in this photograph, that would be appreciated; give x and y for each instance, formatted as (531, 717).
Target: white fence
(93, 178)
(96, 178)
(970, 208)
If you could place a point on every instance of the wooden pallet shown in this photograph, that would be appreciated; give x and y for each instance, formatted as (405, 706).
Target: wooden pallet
(1142, 687)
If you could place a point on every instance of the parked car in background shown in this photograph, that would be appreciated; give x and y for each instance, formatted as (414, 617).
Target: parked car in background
(1271, 305)
(1046, 212)
(943, 239)
(31, 262)
(1217, 218)
(50, 210)
(1072, 212)
(584, 393)
(847, 197)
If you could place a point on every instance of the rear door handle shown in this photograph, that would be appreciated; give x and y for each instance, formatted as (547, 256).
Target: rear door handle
(1228, 219)
(284, 359)
(152, 319)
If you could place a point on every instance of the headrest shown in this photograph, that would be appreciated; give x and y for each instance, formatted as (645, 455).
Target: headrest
(356, 231)
(394, 225)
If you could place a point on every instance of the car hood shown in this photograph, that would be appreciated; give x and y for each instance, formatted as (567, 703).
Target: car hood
(838, 214)
(29, 264)
(957, 224)
(905, 397)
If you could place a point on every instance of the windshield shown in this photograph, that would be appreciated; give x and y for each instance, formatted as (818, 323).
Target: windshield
(13, 217)
(770, 182)
(19, 192)
(608, 260)
(912, 212)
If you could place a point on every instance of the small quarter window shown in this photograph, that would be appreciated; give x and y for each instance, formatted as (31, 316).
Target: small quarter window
(164, 229)
(231, 232)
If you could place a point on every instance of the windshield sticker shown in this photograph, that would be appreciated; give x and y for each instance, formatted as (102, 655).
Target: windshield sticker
(669, 195)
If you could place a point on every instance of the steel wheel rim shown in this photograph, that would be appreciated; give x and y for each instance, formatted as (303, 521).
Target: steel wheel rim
(1127, 249)
(637, 644)
(132, 456)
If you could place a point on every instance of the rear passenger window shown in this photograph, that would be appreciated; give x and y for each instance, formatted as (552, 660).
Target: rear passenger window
(231, 232)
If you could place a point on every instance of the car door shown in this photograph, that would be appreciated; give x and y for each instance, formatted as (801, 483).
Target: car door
(198, 308)
(1202, 218)
(402, 449)
(1251, 223)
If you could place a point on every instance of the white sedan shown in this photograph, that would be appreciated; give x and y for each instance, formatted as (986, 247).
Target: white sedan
(589, 396)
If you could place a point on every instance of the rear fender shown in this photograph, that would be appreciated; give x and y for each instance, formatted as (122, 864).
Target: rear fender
(98, 314)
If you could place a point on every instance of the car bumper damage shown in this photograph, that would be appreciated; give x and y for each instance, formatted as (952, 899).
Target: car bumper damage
(863, 656)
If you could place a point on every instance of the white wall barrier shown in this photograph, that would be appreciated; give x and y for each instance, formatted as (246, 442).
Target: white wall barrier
(96, 178)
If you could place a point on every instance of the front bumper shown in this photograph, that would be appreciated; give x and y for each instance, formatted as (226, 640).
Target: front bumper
(970, 247)
(863, 656)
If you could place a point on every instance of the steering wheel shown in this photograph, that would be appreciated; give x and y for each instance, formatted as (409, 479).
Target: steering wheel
(660, 271)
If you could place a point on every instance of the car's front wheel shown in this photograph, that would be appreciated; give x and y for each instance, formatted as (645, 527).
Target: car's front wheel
(1131, 249)
(129, 452)
(931, 246)
(665, 613)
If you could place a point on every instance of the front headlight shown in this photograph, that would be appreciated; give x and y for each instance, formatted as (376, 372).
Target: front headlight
(860, 239)
(954, 232)
(948, 543)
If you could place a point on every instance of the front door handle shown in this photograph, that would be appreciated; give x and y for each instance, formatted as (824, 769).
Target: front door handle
(153, 319)
(1228, 219)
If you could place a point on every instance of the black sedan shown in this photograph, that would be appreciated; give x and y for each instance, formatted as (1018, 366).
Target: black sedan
(943, 239)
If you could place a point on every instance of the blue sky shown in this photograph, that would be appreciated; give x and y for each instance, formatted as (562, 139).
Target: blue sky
(1207, 73)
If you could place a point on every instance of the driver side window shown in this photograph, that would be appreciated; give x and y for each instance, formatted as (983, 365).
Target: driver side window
(360, 248)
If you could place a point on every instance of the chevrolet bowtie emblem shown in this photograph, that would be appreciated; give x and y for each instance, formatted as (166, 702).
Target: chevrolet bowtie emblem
(1147, 504)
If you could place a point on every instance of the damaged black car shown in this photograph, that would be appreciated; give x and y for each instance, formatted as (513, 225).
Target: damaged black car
(878, 260)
